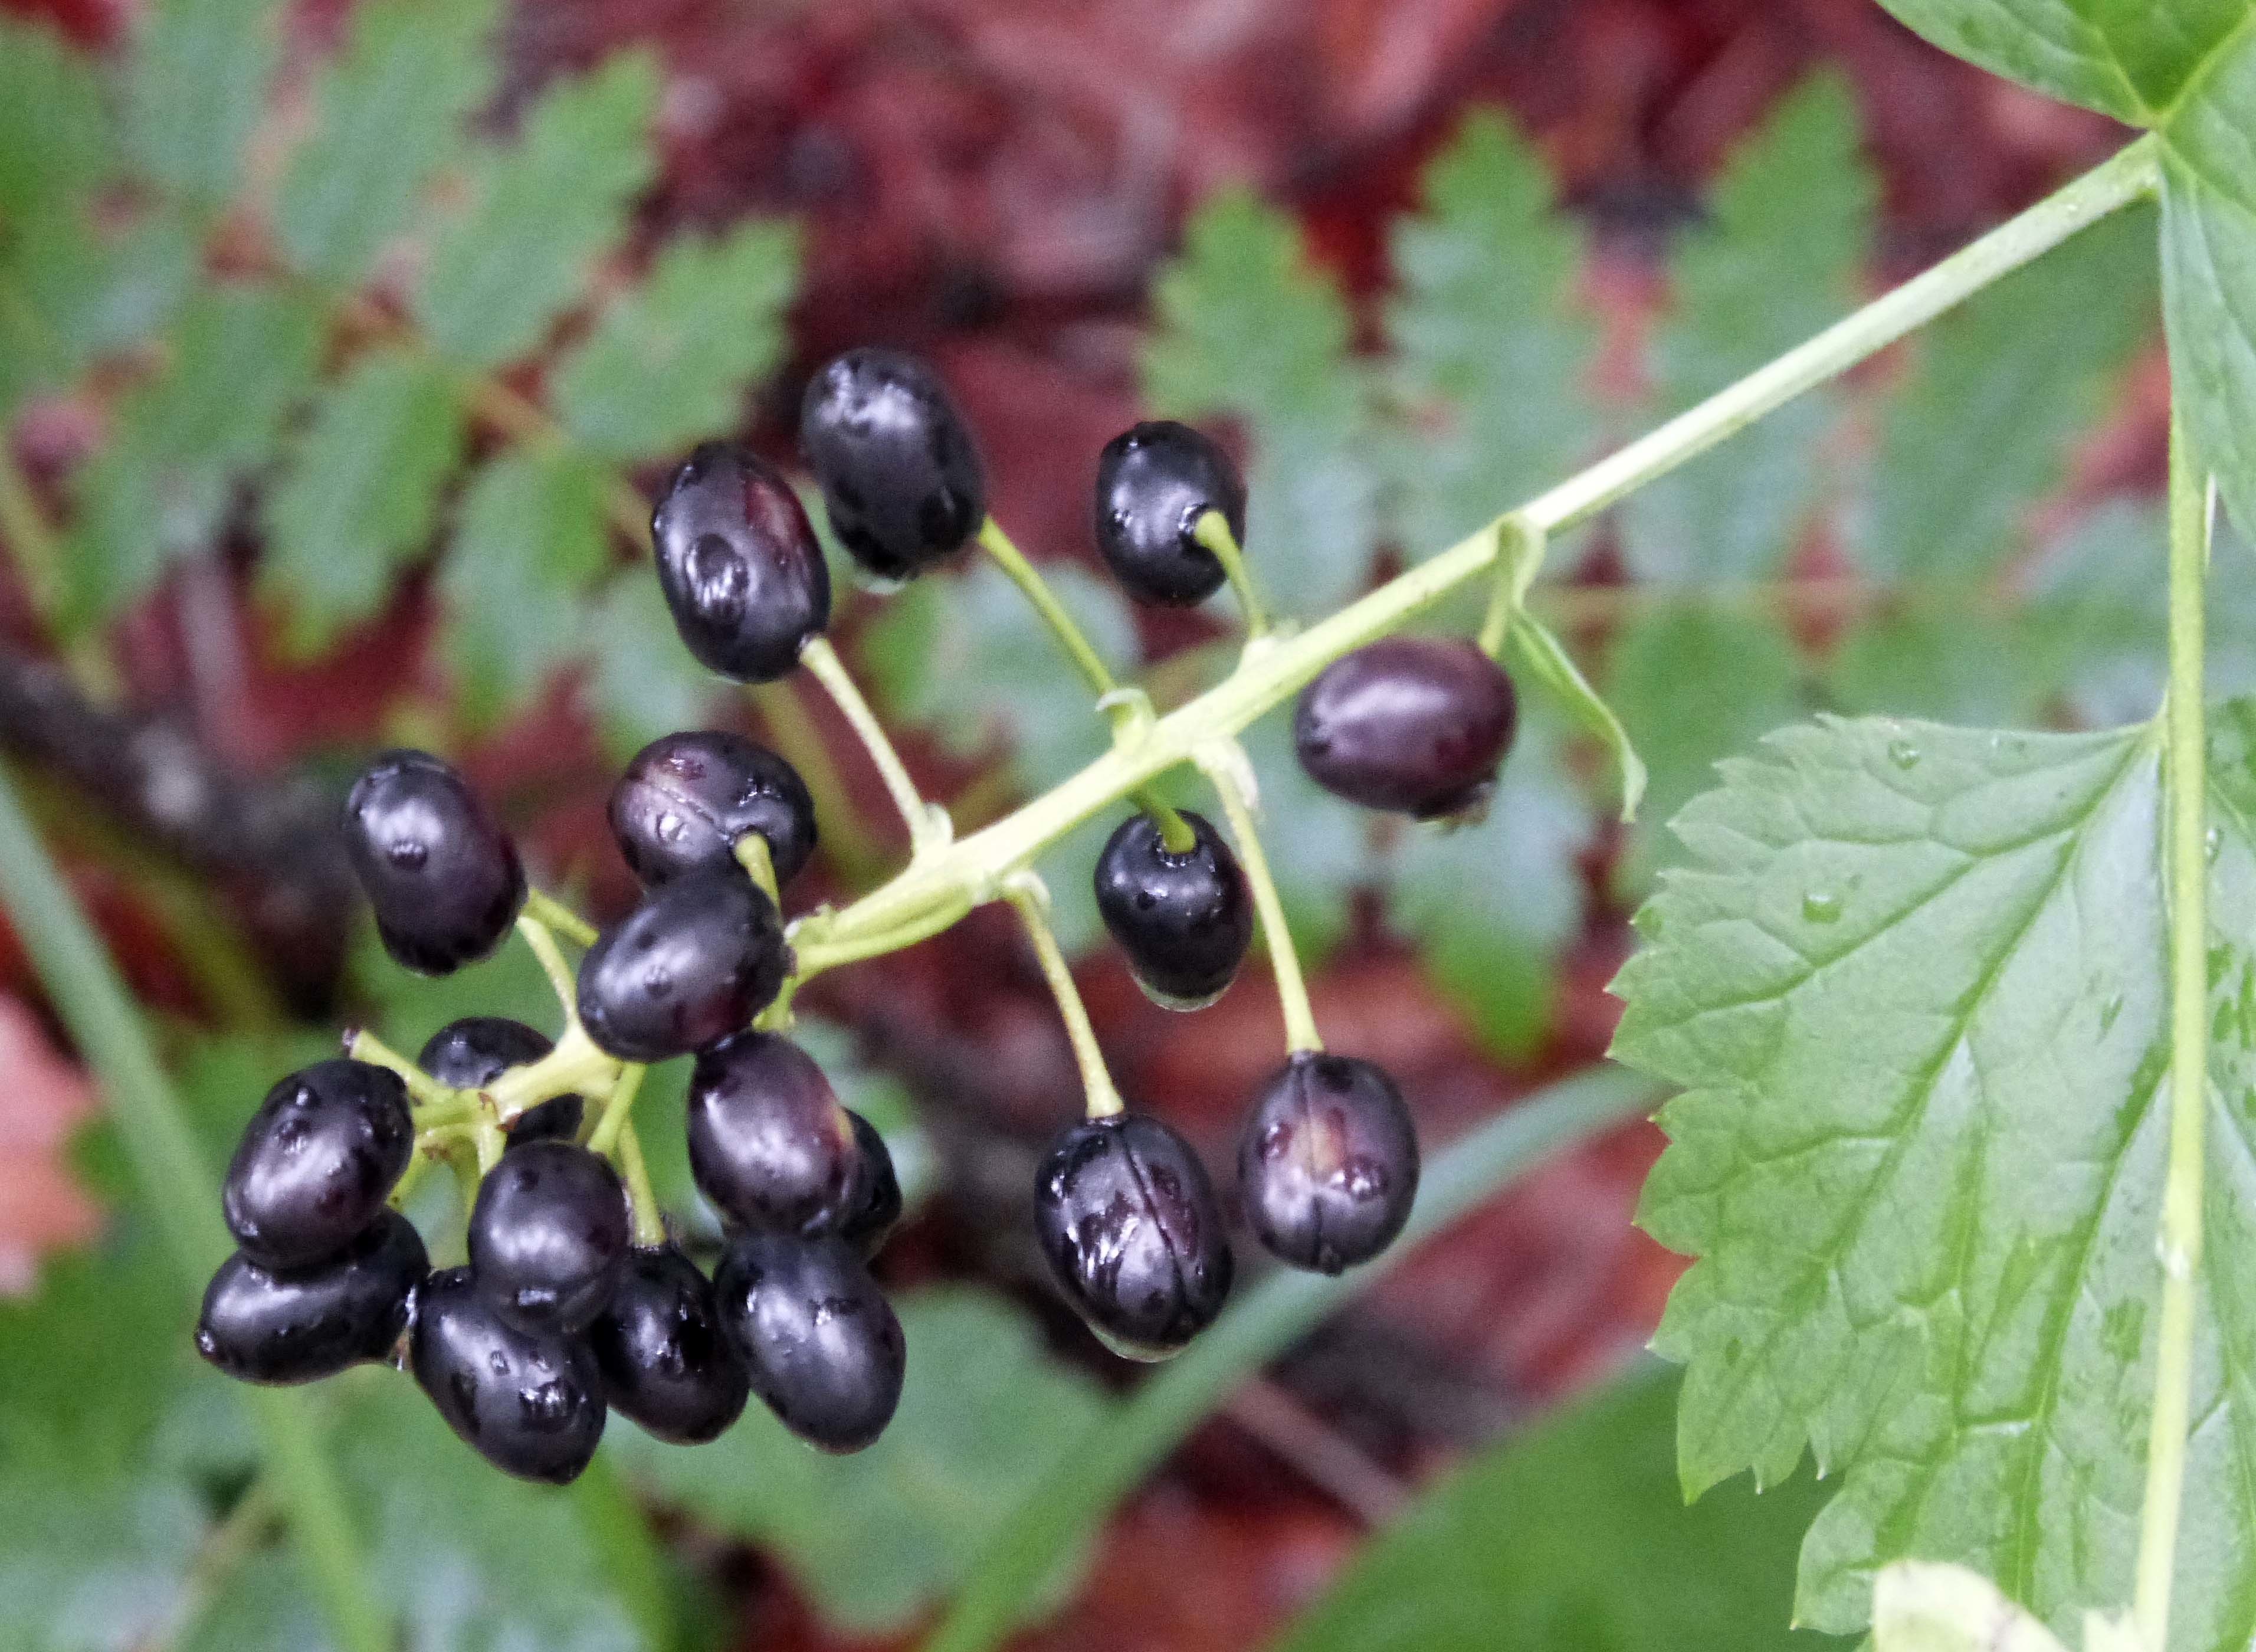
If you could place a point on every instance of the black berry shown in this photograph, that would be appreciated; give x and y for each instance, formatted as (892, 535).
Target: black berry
(1129, 1221)
(740, 564)
(697, 958)
(472, 1053)
(445, 879)
(263, 1324)
(875, 1209)
(548, 1236)
(316, 1163)
(665, 1360)
(1184, 920)
(1415, 725)
(1153, 484)
(1328, 1166)
(901, 476)
(532, 1405)
(686, 799)
(768, 1145)
(825, 1350)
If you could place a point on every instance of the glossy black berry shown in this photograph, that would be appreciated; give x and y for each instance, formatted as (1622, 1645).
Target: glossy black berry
(740, 564)
(557, 1118)
(1328, 1166)
(697, 958)
(901, 476)
(263, 1324)
(875, 1210)
(686, 799)
(1129, 1221)
(548, 1235)
(825, 1352)
(443, 878)
(316, 1163)
(1184, 919)
(665, 1360)
(1154, 483)
(1414, 724)
(532, 1405)
(768, 1145)
(472, 1053)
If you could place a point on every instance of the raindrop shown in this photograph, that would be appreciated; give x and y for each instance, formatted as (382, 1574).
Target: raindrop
(1903, 754)
(1819, 907)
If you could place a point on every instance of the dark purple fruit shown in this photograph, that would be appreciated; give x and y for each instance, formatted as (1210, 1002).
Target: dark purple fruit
(1184, 920)
(875, 1210)
(262, 1325)
(1129, 1221)
(768, 1145)
(316, 1163)
(1154, 483)
(740, 564)
(697, 958)
(665, 1360)
(548, 1236)
(471, 1054)
(825, 1350)
(532, 1405)
(1328, 1166)
(557, 1118)
(444, 879)
(901, 476)
(1414, 724)
(686, 799)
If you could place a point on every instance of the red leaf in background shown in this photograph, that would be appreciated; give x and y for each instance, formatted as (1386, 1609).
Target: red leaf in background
(41, 1206)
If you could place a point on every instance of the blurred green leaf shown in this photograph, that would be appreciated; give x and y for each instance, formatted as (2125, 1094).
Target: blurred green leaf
(1491, 347)
(541, 212)
(641, 682)
(2126, 61)
(242, 356)
(55, 135)
(1491, 903)
(1954, 662)
(70, 292)
(2003, 386)
(1319, 847)
(361, 492)
(196, 90)
(529, 540)
(1575, 1535)
(1776, 262)
(389, 113)
(875, 1538)
(670, 362)
(1247, 329)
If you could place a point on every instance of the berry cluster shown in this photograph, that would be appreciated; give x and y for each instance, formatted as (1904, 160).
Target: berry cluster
(572, 1300)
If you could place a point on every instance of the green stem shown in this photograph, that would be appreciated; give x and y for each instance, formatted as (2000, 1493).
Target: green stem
(1521, 547)
(1225, 766)
(622, 1103)
(1268, 676)
(1067, 1505)
(434, 1103)
(1025, 892)
(545, 908)
(649, 1223)
(576, 1064)
(928, 828)
(846, 841)
(95, 1006)
(753, 854)
(1212, 530)
(2181, 1239)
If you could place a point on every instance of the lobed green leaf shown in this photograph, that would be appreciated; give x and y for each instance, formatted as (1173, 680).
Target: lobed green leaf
(196, 90)
(70, 292)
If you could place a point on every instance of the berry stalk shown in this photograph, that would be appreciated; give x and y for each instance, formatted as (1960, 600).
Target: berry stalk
(552, 960)
(1224, 765)
(1025, 892)
(1212, 531)
(929, 831)
(545, 908)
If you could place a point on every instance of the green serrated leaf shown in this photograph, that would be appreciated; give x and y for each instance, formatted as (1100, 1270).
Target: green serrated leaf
(1983, 428)
(1692, 686)
(196, 90)
(362, 492)
(529, 540)
(1491, 347)
(70, 292)
(1533, 1542)
(642, 682)
(1248, 331)
(2131, 58)
(1776, 261)
(875, 1538)
(1913, 984)
(55, 135)
(541, 211)
(671, 362)
(389, 113)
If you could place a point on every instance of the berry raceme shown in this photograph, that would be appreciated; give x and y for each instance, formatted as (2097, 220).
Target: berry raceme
(548, 1236)
(277, 1325)
(1154, 483)
(825, 1352)
(1129, 1221)
(1184, 919)
(1328, 1164)
(739, 564)
(1412, 724)
(696, 959)
(665, 1359)
(686, 799)
(444, 879)
(316, 1162)
(902, 479)
(531, 1403)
